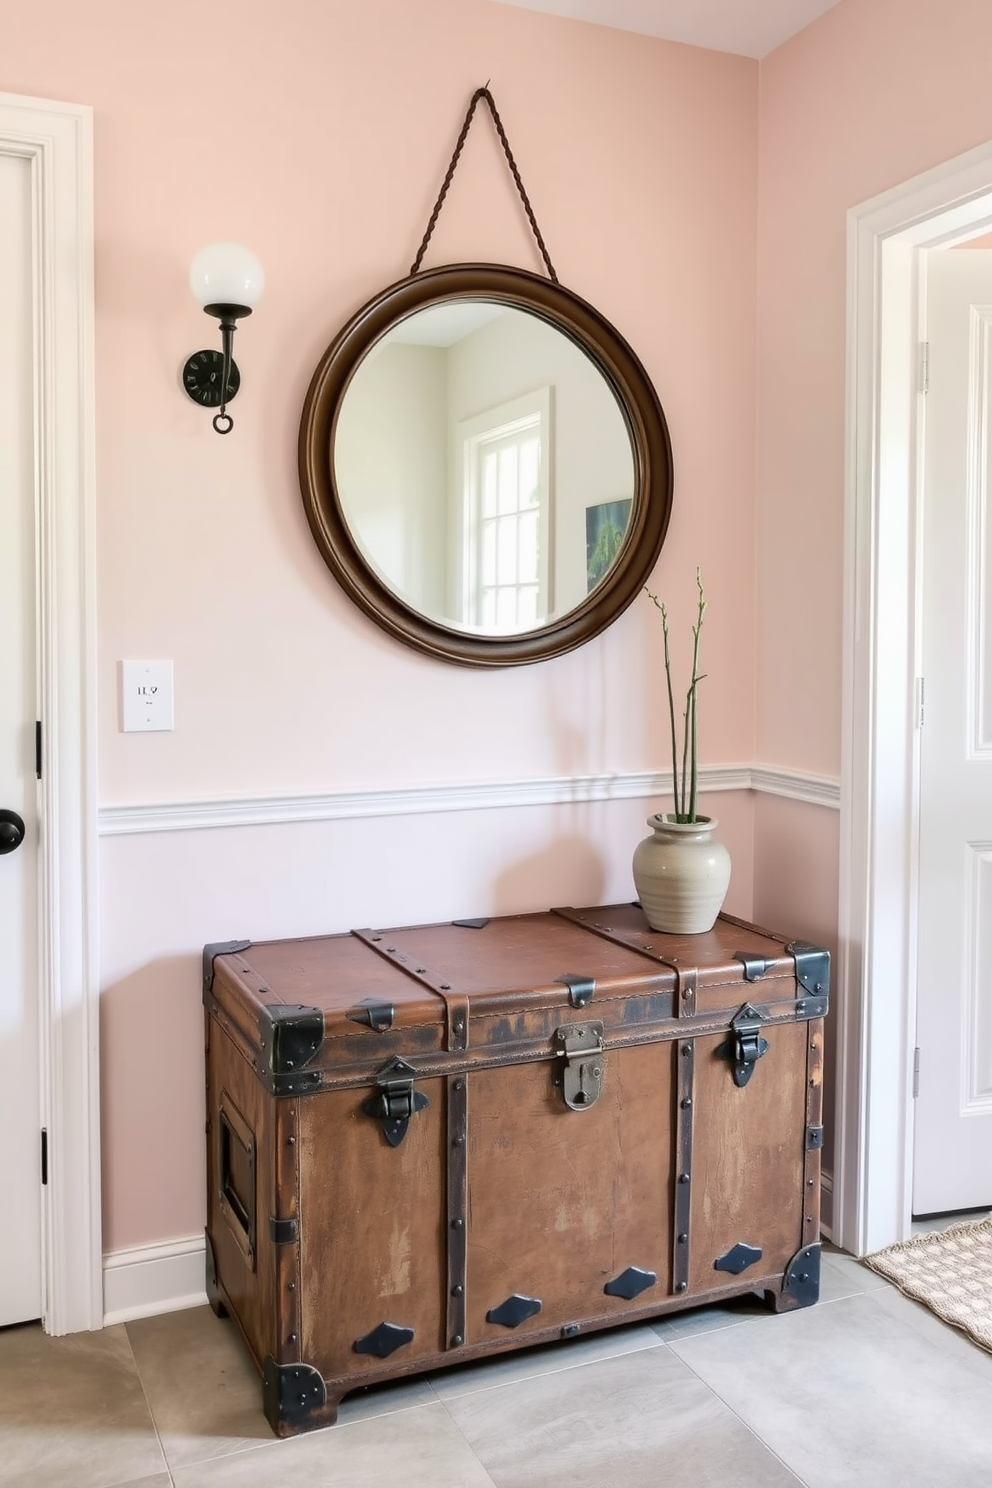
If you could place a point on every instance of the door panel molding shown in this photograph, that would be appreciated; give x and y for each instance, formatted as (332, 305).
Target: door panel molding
(57, 140)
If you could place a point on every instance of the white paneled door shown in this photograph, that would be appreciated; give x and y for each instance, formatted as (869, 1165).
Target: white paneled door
(952, 1167)
(20, 1134)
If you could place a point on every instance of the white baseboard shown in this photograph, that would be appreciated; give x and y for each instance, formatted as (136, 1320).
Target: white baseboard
(149, 1279)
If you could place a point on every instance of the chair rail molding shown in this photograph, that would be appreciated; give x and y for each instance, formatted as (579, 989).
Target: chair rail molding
(252, 811)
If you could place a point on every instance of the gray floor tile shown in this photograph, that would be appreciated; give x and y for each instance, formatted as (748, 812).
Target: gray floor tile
(843, 1275)
(547, 1358)
(639, 1420)
(847, 1393)
(203, 1390)
(158, 1480)
(383, 1400)
(419, 1448)
(708, 1319)
(72, 1412)
(935, 1331)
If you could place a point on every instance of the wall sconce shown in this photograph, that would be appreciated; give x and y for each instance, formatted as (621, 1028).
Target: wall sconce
(228, 281)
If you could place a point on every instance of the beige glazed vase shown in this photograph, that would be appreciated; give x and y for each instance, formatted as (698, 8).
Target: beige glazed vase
(681, 874)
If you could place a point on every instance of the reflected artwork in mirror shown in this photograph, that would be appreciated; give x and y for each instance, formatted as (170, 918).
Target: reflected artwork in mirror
(462, 438)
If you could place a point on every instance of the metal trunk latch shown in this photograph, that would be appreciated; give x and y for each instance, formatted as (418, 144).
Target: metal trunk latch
(581, 1048)
(396, 1100)
(745, 1046)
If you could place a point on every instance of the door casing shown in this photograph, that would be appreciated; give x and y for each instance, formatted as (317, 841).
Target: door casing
(872, 1199)
(57, 141)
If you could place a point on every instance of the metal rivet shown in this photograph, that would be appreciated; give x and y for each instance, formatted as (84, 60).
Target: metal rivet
(459, 1084)
(292, 1286)
(459, 1141)
(683, 1239)
(459, 1025)
(457, 1224)
(686, 1103)
(391, 950)
(682, 1286)
(683, 1177)
(445, 986)
(457, 1340)
(421, 970)
(292, 1337)
(687, 1052)
(290, 1141)
(596, 1072)
(819, 987)
(456, 1291)
(804, 1276)
(809, 1182)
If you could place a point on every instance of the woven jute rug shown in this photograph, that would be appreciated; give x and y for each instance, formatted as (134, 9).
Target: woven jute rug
(950, 1271)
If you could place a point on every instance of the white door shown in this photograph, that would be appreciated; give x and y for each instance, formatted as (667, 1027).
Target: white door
(953, 1112)
(20, 1134)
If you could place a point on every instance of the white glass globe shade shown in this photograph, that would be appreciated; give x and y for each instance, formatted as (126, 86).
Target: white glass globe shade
(226, 274)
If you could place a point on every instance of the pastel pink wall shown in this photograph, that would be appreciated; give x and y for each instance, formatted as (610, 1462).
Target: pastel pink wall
(317, 131)
(871, 94)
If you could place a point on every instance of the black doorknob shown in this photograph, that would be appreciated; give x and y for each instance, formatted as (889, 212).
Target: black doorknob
(11, 831)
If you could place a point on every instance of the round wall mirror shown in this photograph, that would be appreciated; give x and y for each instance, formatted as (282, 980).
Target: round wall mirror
(485, 465)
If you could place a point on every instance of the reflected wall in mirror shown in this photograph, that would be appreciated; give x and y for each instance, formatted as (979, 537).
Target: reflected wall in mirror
(485, 465)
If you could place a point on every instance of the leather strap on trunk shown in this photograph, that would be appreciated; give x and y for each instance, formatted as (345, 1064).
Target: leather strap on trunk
(455, 1002)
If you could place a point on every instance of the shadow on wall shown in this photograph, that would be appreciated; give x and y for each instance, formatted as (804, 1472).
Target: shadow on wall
(573, 864)
(152, 1103)
(796, 893)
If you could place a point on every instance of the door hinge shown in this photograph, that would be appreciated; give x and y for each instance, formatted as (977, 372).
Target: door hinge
(924, 367)
(37, 749)
(916, 1073)
(920, 700)
(44, 1156)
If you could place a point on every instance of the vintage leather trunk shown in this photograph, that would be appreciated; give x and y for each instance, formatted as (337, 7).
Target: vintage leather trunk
(430, 1144)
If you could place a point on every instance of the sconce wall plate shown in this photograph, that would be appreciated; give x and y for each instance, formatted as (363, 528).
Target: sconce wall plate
(202, 378)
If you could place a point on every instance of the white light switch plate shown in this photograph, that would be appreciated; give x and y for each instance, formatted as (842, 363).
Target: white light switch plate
(146, 696)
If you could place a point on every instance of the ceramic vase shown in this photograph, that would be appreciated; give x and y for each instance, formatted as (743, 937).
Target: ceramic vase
(681, 874)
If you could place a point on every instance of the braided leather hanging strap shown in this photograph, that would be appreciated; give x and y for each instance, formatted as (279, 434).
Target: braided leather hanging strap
(484, 93)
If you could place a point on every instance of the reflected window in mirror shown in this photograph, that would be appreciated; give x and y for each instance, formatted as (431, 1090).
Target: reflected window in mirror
(505, 460)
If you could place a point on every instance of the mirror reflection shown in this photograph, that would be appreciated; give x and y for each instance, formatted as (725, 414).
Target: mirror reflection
(484, 466)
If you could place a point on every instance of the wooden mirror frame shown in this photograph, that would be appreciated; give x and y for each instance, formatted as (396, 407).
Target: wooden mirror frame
(642, 412)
